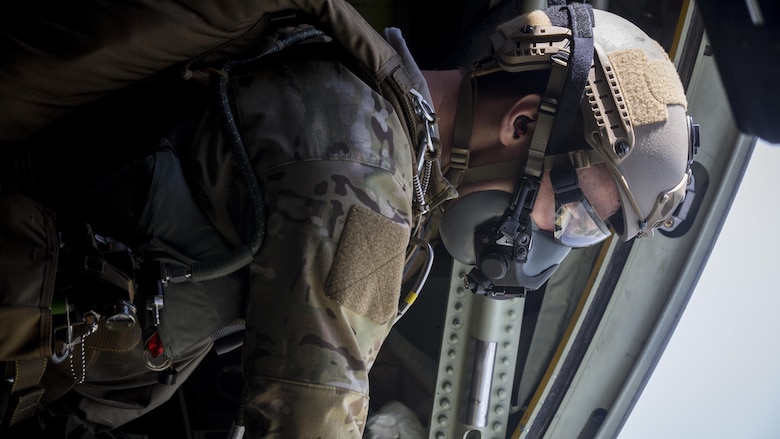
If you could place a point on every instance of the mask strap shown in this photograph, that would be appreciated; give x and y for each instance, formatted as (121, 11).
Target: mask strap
(579, 159)
(524, 198)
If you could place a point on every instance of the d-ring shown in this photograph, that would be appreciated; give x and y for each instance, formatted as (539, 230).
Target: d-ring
(64, 353)
(156, 367)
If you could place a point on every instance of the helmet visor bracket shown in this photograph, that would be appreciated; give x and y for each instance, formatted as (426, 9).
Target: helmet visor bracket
(665, 205)
(668, 202)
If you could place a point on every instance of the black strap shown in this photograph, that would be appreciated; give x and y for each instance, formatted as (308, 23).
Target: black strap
(579, 18)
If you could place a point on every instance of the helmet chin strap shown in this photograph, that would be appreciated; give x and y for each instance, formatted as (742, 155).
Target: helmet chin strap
(500, 246)
(516, 225)
(505, 244)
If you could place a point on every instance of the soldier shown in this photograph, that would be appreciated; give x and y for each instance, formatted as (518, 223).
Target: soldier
(352, 166)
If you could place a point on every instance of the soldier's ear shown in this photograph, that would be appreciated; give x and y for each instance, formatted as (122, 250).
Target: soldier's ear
(517, 123)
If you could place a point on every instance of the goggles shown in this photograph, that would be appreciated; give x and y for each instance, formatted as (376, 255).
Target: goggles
(576, 222)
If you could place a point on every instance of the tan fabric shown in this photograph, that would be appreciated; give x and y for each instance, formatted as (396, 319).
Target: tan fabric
(114, 341)
(307, 411)
(368, 259)
(647, 86)
(334, 168)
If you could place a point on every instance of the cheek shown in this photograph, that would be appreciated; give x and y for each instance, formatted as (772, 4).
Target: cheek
(609, 204)
(601, 191)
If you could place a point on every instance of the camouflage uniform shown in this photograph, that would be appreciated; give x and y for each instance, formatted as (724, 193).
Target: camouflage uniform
(336, 171)
(335, 165)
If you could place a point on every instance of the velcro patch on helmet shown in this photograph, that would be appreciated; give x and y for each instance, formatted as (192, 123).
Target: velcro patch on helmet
(647, 86)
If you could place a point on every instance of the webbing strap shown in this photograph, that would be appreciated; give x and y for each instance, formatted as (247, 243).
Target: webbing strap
(578, 159)
(556, 111)
(579, 18)
(24, 393)
(492, 171)
(91, 262)
(112, 275)
(459, 156)
(548, 110)
(107, 340)
(566, 85)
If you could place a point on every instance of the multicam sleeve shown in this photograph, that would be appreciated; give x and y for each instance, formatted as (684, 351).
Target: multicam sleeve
(334, 167)
(324, 293)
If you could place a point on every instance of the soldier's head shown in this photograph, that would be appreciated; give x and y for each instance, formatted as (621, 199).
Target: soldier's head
(602, 117)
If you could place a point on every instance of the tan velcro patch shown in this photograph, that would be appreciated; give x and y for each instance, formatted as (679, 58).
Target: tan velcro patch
(647, 86)
(367, 268)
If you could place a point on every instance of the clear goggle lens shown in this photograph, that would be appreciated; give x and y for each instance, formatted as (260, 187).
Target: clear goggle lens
(578, 225)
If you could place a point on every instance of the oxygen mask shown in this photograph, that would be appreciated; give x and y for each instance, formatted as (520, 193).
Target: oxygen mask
(470, 231)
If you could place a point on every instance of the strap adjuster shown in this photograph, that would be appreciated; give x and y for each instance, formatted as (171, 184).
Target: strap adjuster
(459, 158)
